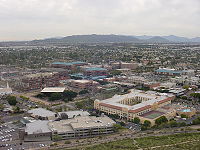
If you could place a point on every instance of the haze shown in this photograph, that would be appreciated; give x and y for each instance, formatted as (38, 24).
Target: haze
(36, 19)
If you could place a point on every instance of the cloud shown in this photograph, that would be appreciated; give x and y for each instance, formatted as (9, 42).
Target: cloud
(29, 19)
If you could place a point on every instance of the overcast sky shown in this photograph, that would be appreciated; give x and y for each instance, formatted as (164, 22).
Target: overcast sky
(35, 19)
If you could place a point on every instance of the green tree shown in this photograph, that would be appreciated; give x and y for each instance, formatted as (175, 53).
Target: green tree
(55, 96)
(115, 72)
(83, 92)
(147, 123)
(69, 95)
(186, 87)
(184, 116)
(12, 100)
(161, 120)
(16, 109)
(117, 127)
(136, 120)
(56, 137)
(1, 107)
(173, 123)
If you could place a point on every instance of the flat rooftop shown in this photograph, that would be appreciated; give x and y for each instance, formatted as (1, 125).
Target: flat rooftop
(152, 97)
(53, 90)
(39, 126)
(96, 69)
(41, 112)
(80, 122)
(39, 75)
(72, 114)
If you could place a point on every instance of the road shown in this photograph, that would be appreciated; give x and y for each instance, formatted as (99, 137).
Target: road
(113, 138)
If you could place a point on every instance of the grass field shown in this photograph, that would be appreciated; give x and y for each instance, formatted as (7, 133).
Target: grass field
(188, 141)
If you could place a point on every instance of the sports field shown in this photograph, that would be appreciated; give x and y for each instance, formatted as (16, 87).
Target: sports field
(152, 114)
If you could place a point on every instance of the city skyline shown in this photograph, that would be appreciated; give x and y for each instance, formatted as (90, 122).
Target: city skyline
(29, 20)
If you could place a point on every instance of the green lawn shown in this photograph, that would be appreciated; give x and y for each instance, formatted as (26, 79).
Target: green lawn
(148, 142)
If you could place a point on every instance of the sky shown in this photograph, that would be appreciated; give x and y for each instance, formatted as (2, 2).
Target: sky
(37, 19)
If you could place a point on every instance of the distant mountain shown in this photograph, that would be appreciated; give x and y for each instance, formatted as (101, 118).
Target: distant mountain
(174, 38)
(197, 39)
(144, 37)
(157, 39)
(94, 38)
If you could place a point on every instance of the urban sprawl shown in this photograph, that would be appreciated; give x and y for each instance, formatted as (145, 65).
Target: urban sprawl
(62, 95)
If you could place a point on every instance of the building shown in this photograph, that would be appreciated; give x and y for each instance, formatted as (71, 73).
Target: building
(42, 114)
(173, 72)
(124, 65)
(78, 127)
(151, 85)
(82, 126)
(36, 131)
(96, 71)
(9, 74)
(133, 104)
(83, 84)
(40, 80)
(68, 65)
(53, 90)
(72, 114)
(62, 73)
(5, 91)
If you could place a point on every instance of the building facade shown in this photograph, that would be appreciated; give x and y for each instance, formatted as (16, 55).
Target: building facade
(40, 80)
(133, 104)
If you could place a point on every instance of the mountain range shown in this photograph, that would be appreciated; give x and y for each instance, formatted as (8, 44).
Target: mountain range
(94, 38)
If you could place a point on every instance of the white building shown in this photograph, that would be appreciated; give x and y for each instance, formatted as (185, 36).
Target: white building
(5, 91)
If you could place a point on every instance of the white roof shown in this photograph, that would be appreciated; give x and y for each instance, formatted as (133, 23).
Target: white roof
(71, 114)
(80, 122)
(41, 112)
(53, 89)
(5, 90)
(82, 81)
(39, 126)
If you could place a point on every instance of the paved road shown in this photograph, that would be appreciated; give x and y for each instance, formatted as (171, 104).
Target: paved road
(112, 138)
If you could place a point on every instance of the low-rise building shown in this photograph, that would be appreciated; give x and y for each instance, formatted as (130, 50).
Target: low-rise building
(42, 114)
(68, 65)
(95, 71)
(83, 84)
(80, 127)
(133, 104)
(5, 91)
(36, 131)
(72, 114)
(40, 80)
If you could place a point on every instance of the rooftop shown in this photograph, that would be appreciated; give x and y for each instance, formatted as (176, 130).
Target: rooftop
(96, 69)
(71, 114)
(41, 112)
(151, 96)
(39, 126)
(40, 75)
(68, 63)
(80, 122)
(53, 90)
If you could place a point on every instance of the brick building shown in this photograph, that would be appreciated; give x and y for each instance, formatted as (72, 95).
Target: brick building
(40, 80)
